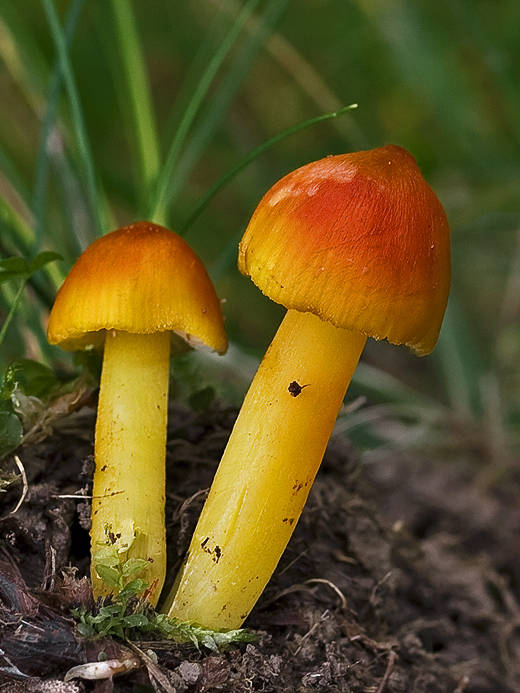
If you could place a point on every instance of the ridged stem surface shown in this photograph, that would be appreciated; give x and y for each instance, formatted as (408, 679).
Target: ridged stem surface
(129, 480)
(266, 472)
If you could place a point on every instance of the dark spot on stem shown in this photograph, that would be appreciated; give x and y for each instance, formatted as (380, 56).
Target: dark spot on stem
(295, 388)
(104, 467)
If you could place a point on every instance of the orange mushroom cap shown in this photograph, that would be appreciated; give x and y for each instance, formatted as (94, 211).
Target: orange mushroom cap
(359, 239)
(141, 279)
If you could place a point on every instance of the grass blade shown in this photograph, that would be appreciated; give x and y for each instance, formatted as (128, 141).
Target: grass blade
(256, 152)
(258, 30)
(381, 386)
(305, 74)
(158, 211)
(19, 231)
(22, 56)
(138, 96)
(49, 119)
(12, 311)
(461, 364)
(17, 238)
(75, 105)
(10, 177)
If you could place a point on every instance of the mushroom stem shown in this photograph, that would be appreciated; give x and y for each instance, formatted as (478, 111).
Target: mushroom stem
(267, 470)
(128, 503)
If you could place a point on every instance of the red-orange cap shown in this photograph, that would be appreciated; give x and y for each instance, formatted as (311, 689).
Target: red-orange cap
(359, 239)
(141, 279)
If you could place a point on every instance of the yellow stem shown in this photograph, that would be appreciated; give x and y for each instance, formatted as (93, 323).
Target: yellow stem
(267, 470)
(128, 503)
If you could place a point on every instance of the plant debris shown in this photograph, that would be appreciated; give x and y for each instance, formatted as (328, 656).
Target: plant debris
(400, 577)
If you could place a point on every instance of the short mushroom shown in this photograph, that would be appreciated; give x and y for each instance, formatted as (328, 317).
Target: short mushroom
(128, 291)
(353, 245)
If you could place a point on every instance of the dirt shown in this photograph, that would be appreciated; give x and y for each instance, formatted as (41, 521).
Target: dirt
(401, 577)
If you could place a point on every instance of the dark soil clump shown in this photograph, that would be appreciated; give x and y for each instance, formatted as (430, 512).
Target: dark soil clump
(400, 578)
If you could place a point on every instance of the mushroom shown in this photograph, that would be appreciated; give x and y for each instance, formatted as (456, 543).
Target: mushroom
(353, 245)
(128, 291)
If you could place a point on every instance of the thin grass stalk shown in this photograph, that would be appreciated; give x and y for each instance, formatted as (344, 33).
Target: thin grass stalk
(159, 207)
(11, 175)
(18, 237)
(21, 55)
(49, 120)
(253, 154)
(258, 30)
(76, 110)
(12, 310)
(138, 95)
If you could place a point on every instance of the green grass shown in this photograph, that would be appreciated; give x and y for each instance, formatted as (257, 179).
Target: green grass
(182, 115)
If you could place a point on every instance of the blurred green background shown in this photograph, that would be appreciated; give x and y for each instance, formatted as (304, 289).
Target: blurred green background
(114, 111)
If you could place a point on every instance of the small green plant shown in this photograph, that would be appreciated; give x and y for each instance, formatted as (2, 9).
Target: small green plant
(111, 563)
(27, 377)
(32, 397)
(127, 615)
(25, 386)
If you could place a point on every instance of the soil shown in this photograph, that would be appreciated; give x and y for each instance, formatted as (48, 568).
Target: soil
(401, 577)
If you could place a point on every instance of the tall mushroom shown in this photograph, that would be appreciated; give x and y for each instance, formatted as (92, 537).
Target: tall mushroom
(128, 291)
(354, 245)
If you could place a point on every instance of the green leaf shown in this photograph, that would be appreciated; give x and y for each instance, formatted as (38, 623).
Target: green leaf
(15, 264)
(228, 637)
(118, 631)
(33, 378)
(11, 432)
(7, 276)
(133, 565)
(108, 612)
(120, 614)
(43, 259)
(19, 267)
(110, 576)
(136, 620)
(133, 588)
(85, 630)
(107, 555)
